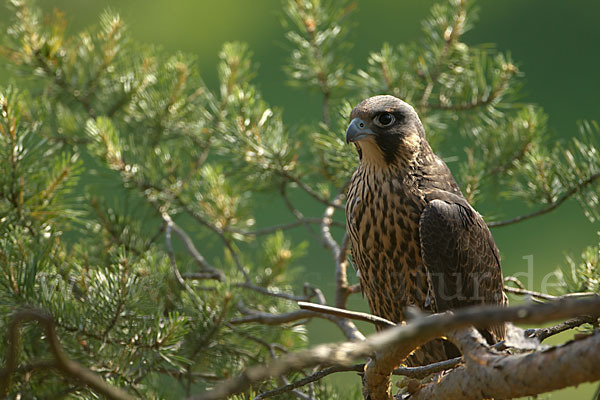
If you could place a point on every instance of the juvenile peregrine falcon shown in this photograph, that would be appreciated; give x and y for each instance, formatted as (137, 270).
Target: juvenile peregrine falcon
(415, 239)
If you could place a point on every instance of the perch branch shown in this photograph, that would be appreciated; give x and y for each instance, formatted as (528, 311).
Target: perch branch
(399, 341)
(485, 373)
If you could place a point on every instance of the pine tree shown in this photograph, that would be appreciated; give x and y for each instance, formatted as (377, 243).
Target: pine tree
(131, 261)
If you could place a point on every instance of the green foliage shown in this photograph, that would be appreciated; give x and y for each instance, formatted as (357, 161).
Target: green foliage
(317, 31)
(582, 275)
(106, 137)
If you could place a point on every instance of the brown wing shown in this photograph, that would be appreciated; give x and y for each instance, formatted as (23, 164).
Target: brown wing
(460, 255)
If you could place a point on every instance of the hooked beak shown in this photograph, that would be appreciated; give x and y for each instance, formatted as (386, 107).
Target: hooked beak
(358, 130)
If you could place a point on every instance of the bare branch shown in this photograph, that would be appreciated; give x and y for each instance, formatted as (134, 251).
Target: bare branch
(399, 341)
(410, 372)
(268, 292)
(310, 191)
(571, 192)
(359, 316)
(546, 296)
(198, 276)
(213, 228)
(354, 288)
(72, 369)
(272, 319)
(515, 281)
(542, 334)
(187, 241)
(311, 291)
(349, 331)
(311, 378)
(341, 262)
(426, 370)
(271, 229)
(295, 212)
(339, 252)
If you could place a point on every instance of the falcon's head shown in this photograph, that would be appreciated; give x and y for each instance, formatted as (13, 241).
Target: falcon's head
(385, 130)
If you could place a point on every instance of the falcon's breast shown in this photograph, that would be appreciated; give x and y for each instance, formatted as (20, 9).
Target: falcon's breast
(383, 224)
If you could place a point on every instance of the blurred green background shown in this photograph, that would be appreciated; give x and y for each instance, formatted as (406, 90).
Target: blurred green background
(554, 42)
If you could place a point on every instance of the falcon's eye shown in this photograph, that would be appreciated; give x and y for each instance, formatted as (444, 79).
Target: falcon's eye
(384, 119)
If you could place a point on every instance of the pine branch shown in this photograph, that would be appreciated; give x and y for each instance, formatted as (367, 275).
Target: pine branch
(70, 368)
(550, 207)
(451, 36)
(64, 85)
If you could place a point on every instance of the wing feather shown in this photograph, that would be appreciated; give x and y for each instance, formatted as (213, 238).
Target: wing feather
(460, 255)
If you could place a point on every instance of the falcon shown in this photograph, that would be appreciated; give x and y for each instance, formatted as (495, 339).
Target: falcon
(415, 240)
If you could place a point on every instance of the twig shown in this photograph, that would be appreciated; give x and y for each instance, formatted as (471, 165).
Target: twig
(295, 212)
(198, 276)
(399, 341)
(354, 288)
(542, 334)
(72, 369)
(283, 227)
(213, 228)
(187, 241)
(574, 190)
(426, 370)
(527, 292)
(409, 372)
(311, 378)
(546, 296)
(268, 292)
(310, 292)
(341, 262)
(339, 252)
(348, 329)
(272, 319)
(310, 191)
(359, 316)
(515, 281)
(173, 260)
